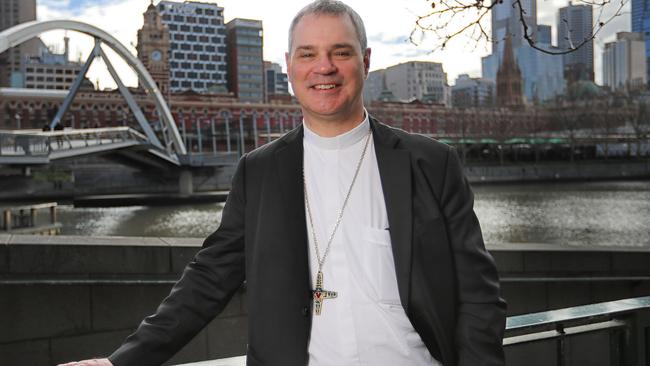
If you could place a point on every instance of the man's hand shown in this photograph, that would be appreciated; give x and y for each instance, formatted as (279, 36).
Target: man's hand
(95, 362)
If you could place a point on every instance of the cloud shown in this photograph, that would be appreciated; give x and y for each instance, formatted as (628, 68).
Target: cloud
(385, 39)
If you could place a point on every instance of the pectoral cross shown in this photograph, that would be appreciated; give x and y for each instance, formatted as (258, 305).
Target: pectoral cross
(320, 294)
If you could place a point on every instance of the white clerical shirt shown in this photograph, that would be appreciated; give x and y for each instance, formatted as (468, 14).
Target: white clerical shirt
(365, 324)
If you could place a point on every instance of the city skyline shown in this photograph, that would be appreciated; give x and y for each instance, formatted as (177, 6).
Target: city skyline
(389, 45)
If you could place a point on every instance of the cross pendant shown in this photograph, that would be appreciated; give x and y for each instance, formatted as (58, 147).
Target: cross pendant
(320, 294)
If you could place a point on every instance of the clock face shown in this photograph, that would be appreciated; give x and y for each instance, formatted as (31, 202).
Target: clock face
(156, 55)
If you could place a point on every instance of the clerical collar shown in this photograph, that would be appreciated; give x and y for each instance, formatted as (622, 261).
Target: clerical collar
(341, 141)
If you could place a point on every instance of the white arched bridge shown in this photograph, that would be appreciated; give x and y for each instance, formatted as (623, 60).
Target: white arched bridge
(40, 147)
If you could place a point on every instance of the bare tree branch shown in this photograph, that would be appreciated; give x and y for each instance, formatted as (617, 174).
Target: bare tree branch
(450, 19)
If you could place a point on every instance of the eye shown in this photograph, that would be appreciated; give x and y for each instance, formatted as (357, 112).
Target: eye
(305, 55)
(342, 53)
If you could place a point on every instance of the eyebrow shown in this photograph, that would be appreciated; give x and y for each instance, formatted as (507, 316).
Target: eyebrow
(335, 47)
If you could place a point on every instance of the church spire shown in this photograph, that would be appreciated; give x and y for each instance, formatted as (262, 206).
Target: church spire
(509, 80)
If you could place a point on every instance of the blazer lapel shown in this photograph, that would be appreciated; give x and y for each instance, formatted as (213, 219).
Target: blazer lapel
(289, 160)
(395, 172)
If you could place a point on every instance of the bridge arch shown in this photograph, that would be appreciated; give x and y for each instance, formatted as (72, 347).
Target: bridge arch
(18, 34)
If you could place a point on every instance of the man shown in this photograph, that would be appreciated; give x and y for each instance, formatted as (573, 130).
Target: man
(358, 242)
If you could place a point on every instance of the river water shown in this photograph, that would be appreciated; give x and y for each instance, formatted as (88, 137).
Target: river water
(612, 213)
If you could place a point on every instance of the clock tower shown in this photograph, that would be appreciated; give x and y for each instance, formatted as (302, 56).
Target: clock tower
(153, 47)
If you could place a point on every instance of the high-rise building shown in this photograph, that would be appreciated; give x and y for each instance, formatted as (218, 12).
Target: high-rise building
(153, 48)
(197, 55)
(50, 70)
(421, 80)
(245, 60)
(277, 82)
(624, 62)
(472, 92)
(544, 34)
(574, 27)
(506, 20)
(14, 12)
(641, 24)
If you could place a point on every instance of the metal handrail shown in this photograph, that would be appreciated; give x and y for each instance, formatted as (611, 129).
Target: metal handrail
(620, 319)
(559, 316)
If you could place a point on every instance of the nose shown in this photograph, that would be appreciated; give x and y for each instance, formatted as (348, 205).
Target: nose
(325, 66)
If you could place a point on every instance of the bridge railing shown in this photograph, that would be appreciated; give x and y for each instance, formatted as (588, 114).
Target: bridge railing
(43, 143)
(22, 144)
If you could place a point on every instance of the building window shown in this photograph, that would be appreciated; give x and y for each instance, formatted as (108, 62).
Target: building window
(199, 85)
(192, 75)
(197, 29)
(191, 38)
(185, 28)
(179, 37)
(186, 47)
(191, 56)
(197, 47)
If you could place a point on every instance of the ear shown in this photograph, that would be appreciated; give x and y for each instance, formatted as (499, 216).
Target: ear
(287, 59)
(366, 62)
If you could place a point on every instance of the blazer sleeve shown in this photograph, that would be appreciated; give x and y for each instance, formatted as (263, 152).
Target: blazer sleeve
(207, 284)
(481, 312)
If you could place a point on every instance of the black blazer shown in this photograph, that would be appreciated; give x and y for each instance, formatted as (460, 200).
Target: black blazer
(447, 280)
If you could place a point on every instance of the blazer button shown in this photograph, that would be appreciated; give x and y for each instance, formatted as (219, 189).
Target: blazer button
(305, 311)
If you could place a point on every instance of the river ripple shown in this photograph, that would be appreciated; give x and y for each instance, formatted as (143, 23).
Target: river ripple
(615, 213)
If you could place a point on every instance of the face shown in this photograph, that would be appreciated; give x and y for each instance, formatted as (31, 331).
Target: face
(327, 68)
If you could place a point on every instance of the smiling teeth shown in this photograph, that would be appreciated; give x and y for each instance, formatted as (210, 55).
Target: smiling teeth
(322, 87)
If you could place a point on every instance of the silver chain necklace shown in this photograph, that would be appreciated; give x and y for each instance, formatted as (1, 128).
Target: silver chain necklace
(320, 294)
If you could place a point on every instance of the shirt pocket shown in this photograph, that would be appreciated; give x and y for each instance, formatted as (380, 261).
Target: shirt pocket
(379, 265)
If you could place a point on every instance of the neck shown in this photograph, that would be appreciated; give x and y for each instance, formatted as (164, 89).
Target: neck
(332, 128)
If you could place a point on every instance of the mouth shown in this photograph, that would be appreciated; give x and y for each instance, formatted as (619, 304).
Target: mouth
(328, 86)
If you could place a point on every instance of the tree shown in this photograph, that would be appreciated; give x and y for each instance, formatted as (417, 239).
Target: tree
(448, 19)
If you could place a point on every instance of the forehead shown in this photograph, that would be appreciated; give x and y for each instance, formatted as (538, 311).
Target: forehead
(321, 30)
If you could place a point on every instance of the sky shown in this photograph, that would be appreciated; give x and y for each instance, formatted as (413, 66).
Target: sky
(388, 25)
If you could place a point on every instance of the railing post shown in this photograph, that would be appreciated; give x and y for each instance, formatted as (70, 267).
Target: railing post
(561, 344)
(53, 214)
(32, 216)
(7, 219)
